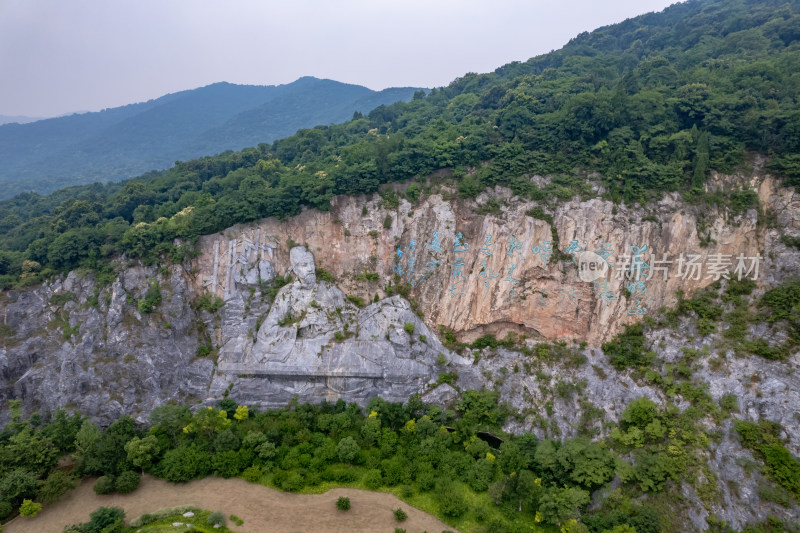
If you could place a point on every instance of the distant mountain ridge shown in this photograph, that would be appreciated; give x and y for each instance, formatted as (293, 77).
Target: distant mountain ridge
(19, 119)
(126, 141)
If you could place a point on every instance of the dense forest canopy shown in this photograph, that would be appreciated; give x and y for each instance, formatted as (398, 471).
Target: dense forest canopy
(457, 463)
(651, 104)
(437, 458)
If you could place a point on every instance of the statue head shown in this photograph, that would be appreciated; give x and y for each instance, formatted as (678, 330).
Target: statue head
(303, 265)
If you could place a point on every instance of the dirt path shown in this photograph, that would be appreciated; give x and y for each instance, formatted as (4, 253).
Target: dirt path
(264, 510)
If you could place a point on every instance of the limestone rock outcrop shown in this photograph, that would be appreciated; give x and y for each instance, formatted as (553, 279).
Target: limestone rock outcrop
(339, 327)
(495, 273)
(316, 344)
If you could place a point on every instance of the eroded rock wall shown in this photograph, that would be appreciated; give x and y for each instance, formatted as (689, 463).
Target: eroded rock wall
(496, 278)
(89, 348)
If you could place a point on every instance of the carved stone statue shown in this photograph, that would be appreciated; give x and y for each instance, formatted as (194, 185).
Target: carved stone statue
(303, 266)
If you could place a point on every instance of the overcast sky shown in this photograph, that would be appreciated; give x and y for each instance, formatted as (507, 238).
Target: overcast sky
(60, 56)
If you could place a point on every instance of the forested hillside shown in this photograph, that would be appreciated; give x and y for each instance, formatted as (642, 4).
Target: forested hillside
(197, 341)
(651, 104)
(125, 141)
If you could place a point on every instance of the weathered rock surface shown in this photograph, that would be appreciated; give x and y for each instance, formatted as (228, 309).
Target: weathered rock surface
(764, 390)
(97, 353)
(582, 393)
(315, 344)
(466, 283)
(86, 347)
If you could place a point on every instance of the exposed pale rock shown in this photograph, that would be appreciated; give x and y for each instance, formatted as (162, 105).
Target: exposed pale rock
(444, 394)
(302, 262)
(314, 343)
(551, 299)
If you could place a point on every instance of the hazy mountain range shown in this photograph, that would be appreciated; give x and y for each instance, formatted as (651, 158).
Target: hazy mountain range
(125, 141)
(19, 119)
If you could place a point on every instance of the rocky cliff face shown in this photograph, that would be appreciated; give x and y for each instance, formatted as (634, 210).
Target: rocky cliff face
(493, 273)
(337, 333)
(92, 349)
(581, 394)
(316, 344)
(87, 348)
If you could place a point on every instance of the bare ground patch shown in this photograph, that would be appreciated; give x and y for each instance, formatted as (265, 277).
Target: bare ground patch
(264, 510)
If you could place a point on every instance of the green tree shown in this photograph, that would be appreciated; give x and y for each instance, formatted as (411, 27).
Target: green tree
(700, 162)
(170, 420)
(558, 505)
(29, 508)
(85, 438)
(265, 450)
(639, 412)
(480, 475)
(653, 469)
(347, 449)
(105, 520)
(68, 248)
(184, 463)
(56, 485)
(396, 470)
(476, 447)
(628, 348)
(152, 298)
(587, 462)
(451, 501)
(546, 455)
(226, 440)
(62, 430)
(30, 449)
(253, 439)
(783, 466)
(527, 489)
(228, 463)
(371, 430)
(373, 479)
(17, 485)
(207, 422)
(104, 485)
(133, 194)
(343, 503)
(512, 459)
(141, 452)
(480, 408)
(107, 454)
(412, 193)
(127, 481)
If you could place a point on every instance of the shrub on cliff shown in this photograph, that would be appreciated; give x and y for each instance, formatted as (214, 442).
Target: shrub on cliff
(152, 298)
(628, 349)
